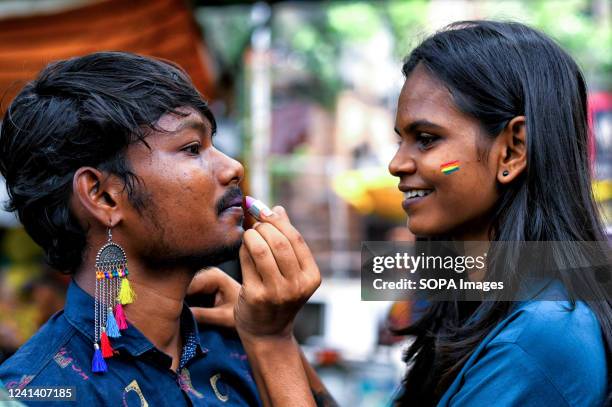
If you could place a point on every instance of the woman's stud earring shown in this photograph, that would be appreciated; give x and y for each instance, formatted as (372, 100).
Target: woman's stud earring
(505, 173)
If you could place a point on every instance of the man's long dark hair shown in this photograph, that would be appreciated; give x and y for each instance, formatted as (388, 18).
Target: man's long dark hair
(82, 111)
(496, 71)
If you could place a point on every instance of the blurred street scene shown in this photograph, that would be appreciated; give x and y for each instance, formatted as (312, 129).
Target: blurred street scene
(304, 93)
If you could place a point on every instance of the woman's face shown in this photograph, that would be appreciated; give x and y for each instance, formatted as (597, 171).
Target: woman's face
(438, 160)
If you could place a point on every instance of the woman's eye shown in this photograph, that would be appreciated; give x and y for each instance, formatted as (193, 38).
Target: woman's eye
(425, 140)
(193, 149)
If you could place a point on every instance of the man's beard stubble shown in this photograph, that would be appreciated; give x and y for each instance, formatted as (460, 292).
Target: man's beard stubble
(193, 261)
(163, 256)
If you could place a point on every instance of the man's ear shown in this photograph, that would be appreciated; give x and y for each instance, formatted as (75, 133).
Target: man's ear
(97, 195)
(512, 160)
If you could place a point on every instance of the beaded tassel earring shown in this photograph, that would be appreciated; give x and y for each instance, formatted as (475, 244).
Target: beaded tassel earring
(112, 292)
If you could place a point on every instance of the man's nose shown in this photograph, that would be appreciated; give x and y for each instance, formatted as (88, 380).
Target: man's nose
(231, 171)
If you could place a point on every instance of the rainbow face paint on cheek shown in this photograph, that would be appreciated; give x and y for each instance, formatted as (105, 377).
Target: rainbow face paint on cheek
(449, 167)
(256, 207)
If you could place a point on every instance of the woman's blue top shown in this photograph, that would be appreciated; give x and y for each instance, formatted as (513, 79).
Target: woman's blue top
(543, 354)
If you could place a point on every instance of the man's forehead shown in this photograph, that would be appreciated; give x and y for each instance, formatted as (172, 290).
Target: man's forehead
(192, 118)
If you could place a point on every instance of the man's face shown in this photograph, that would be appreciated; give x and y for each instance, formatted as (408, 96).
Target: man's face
(192, 213)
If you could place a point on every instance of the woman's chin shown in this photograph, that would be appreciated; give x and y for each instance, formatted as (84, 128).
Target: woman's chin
(426, 229)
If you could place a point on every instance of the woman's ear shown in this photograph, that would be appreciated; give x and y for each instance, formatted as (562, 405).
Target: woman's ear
(97, 195)
(513, 157)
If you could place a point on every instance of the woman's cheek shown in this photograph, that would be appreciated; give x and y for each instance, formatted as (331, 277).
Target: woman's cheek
(468, 194)
(457, 196)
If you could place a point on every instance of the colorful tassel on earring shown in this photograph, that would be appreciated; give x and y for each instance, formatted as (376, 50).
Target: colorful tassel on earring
(107, 350)
(112, 330)
(120, 317)
(126, 295)
(98, 365)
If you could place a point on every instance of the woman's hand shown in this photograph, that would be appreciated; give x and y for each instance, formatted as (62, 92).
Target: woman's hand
(279, 275)
(226, 289)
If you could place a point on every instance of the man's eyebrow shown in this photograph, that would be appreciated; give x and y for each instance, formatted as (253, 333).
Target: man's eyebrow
(194, 124)
(420, 124)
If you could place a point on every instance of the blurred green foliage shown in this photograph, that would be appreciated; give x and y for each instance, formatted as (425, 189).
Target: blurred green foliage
(312, 35)
(318, 33)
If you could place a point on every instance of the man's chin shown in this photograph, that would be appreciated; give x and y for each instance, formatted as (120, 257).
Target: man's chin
(223, 254)
(197, 261)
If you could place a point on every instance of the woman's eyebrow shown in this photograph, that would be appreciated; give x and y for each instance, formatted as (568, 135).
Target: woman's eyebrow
(420, 124)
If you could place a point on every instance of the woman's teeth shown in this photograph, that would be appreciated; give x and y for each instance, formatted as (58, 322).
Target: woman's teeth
(415, 193)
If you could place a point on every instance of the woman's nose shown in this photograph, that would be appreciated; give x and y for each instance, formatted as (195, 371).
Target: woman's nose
(401, 163)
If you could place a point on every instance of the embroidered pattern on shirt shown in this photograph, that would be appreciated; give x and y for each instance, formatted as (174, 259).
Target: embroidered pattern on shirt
(64, 359)
(133, 386)
(23, 382)
(184, 381)
(213, 382)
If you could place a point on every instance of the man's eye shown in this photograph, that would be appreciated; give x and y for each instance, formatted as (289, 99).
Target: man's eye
(193, 149)
(425, 140)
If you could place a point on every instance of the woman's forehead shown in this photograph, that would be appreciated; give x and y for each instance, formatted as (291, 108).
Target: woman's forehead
(425, 97)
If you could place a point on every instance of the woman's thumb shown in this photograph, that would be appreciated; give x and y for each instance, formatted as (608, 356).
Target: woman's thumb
(219, 316)
(206, 281)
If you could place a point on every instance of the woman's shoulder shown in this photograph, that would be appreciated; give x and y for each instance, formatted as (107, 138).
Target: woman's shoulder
(543, 325)
(560, 341)
(543, 353)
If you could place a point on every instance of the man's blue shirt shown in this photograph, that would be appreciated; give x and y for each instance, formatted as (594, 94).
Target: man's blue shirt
(213, 368)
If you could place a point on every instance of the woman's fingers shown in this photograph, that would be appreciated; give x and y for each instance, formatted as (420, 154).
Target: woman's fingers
(247, 265)
(208, 281)
(225, 288)
(281, 249)
(310, 277)
(265, 264)
(275, 284)
(220, 316)
(280, 221)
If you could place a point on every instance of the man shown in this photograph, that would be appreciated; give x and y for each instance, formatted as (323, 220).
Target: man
(118, 147)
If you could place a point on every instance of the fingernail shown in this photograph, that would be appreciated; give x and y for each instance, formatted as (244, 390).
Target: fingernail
(267, 212)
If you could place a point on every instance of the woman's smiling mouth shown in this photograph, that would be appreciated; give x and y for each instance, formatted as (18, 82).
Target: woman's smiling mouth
(414, 196)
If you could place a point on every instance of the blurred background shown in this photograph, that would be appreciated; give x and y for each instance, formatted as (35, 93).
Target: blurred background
(304, 93)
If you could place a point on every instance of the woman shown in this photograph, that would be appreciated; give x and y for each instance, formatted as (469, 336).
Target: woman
(492, 126)
(510, 106)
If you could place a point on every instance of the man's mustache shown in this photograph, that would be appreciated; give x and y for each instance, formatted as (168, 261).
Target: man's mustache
(228, 199)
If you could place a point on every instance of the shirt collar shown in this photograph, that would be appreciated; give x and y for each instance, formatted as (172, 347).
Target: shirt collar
(79, 311)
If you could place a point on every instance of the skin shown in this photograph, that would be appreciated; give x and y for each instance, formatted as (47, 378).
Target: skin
(182, 178)
(180, 230)
(433, 131)
(460, 207)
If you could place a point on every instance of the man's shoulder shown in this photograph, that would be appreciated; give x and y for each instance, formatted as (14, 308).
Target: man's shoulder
(42, 359)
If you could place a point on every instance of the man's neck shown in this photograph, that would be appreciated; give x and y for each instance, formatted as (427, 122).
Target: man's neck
(156, 311)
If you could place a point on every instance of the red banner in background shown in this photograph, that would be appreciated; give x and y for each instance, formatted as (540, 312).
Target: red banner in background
(160, 28)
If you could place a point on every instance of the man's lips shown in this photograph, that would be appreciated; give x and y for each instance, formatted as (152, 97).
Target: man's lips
(231, 199)
(234, 203)
(233, 209)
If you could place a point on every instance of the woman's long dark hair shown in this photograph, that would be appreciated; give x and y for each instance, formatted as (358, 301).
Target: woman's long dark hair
(496, 71)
